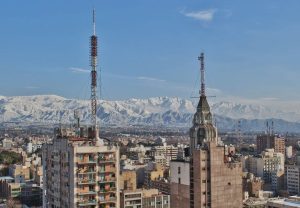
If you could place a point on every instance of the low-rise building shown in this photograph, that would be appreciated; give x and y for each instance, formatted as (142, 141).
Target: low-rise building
(291, 202)
(144, 198)
(153, 172)
(252, 185)
(19, 172)
(128, 180)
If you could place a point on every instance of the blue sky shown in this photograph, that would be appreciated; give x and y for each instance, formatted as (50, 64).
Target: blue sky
(150, 48)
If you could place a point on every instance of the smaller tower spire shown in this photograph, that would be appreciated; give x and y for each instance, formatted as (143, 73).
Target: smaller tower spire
(202, 70)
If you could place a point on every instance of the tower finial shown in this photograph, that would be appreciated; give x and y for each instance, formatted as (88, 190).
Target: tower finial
(94, 22)
(202, 90)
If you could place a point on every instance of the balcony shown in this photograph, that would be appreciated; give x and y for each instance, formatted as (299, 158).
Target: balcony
(84, 203)
(87, 181)
(91, 192)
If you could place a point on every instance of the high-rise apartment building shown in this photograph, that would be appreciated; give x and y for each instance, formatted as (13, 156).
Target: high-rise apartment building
(79, 172)
(215, 178)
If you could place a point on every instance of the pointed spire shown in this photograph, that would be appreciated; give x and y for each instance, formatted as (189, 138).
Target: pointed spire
(202, 70)
(94, 22)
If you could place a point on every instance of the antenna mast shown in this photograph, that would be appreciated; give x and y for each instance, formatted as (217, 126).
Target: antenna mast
(94, 75)
(201, 59)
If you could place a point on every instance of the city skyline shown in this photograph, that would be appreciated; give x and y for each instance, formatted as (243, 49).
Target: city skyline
(150, 49)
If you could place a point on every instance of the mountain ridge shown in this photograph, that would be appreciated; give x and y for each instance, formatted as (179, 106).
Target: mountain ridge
(166, 111)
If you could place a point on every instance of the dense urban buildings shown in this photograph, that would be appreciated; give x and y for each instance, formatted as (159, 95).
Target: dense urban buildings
(147, 166)
(270, 141)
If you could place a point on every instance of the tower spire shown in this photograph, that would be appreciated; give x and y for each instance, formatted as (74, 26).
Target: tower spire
(94, 22)
(202, 70)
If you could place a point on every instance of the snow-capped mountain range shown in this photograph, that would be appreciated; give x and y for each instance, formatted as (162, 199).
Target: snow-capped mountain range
(153, 111)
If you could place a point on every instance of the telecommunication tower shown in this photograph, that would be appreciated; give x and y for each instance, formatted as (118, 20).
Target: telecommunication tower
(93, 54)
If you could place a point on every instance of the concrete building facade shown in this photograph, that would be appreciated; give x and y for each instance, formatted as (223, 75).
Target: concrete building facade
(180, 183)
(292, 179)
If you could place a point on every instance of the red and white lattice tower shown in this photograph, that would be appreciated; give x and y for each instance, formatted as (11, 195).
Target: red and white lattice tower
(94, 75)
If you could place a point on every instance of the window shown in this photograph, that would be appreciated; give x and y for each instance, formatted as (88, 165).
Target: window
(179, 170)
(179, 180)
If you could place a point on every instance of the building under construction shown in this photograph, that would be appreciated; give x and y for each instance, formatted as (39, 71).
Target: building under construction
(80, 168)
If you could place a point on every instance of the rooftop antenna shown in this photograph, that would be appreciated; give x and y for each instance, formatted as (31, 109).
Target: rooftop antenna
(94, 76)
(202, 77)
(240, 131)
(77, 118)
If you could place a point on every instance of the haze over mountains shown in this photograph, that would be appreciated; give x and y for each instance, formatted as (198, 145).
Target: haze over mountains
(156, 111)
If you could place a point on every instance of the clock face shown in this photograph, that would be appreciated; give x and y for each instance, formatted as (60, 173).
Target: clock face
(208, 117)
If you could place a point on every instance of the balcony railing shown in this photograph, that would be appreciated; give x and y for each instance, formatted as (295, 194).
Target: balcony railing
(106, 180)
(107, 170)
(105, 200)
(106, 159)
(91, 192)
(87, 181)
(87, 161)
(111, 189)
